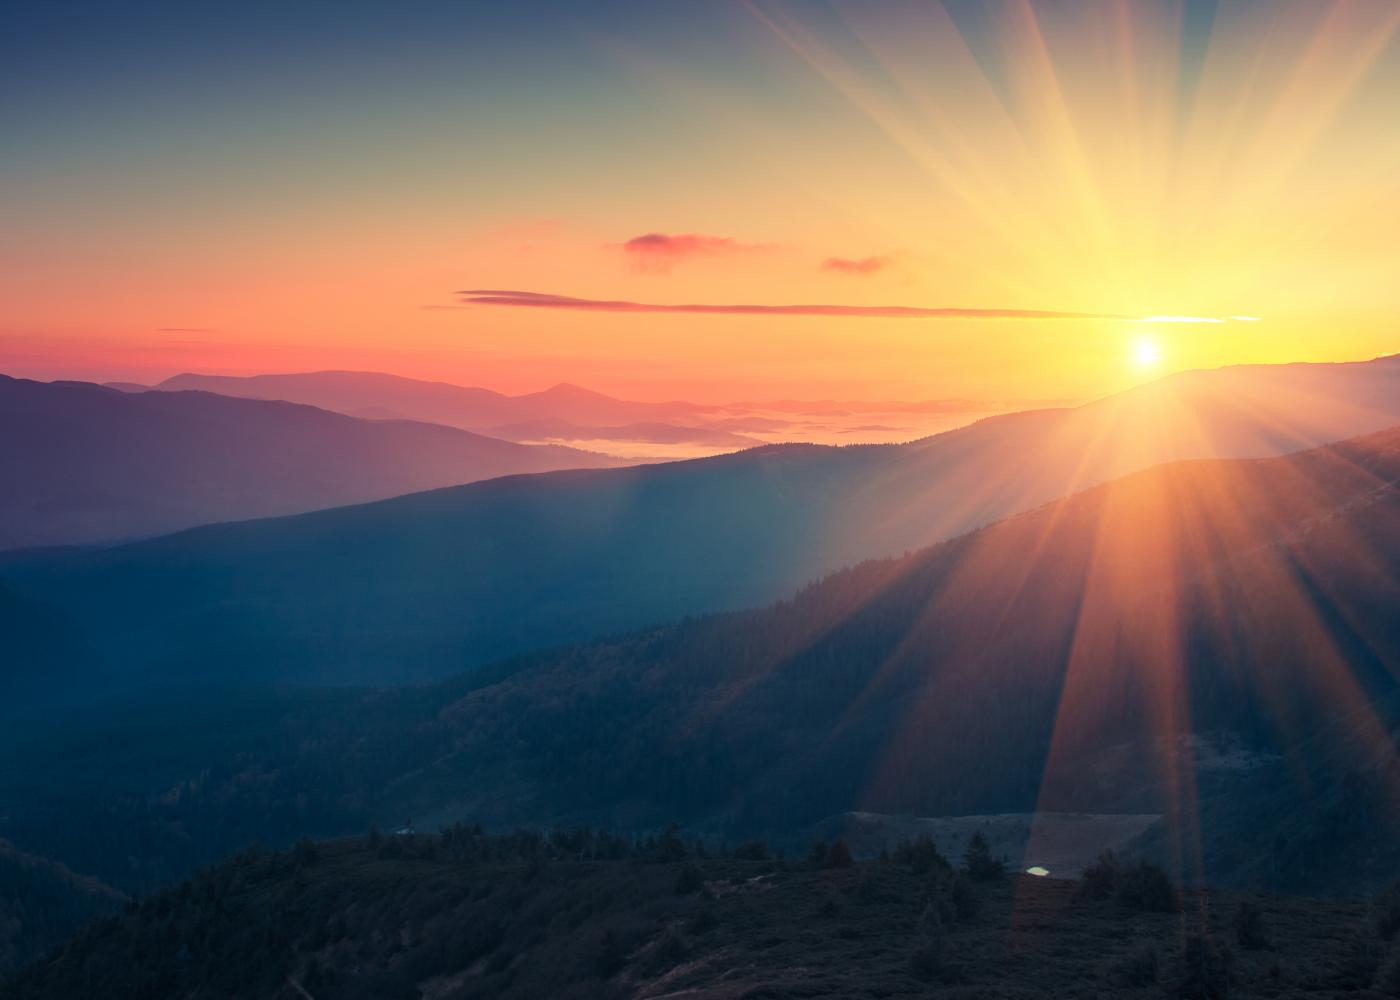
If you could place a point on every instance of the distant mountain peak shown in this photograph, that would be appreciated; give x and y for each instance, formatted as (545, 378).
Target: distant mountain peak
(577, 391)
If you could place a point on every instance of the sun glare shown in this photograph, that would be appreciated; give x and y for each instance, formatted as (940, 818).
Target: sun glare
(1145, 352)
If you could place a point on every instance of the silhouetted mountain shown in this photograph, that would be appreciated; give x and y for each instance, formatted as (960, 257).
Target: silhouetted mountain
(577, 915)
(428, 584)
(380, 395)
(1137, 648)
(93, 464)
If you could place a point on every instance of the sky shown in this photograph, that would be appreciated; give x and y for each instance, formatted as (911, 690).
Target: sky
(704, 200)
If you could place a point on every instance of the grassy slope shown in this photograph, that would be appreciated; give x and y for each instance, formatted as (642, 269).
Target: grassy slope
(411, 917)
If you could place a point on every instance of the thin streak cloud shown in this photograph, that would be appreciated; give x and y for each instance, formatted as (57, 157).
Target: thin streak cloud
(543, 300)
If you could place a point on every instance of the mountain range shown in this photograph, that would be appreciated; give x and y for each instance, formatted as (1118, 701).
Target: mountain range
(1174, 642)
(565, 412)
(94, 464)
(432, 583)
(379, 396)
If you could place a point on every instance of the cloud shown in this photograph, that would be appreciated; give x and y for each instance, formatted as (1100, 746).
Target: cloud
(657, 253)
(1181, 319)
(860, 265)
(543, 300)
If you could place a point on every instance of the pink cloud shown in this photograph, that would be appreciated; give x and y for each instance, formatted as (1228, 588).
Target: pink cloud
(657, 253)
(543, 300)
(860, 265)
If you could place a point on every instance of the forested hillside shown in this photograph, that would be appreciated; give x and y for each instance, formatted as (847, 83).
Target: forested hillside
(1066, 660)
(41, 902)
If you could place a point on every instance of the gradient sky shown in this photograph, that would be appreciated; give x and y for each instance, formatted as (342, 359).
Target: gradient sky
(299, 186)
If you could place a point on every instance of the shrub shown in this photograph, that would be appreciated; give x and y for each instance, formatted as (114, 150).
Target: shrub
(1251, 930)
(1359, 961)
(839, 856)
(673, 950)
(704, 921)
(966, 902)
(1385, 910)
(689, 880)
(920, 854)
(1140, 967)
(669, 846)
(926, 963)
(979, 863)
(930, 962)
(1202, 970)
(610, 958)
(1145, 886)
(304, 853)
(1388, 982)
(752, 850)
(1101, 878)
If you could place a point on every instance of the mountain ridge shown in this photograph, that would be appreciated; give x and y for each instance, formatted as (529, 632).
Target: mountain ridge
(490, 569)
(101, 464)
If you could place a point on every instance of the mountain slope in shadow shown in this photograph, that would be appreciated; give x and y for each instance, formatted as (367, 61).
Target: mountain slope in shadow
(95, 464)
(1063, 660)
(1092, 655)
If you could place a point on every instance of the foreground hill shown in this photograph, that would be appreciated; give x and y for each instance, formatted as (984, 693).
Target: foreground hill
(577, 915)
(425, 585)
(1139, 648)
(94, 464)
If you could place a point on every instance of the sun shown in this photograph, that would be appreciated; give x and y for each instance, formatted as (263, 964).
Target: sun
(1145, 352)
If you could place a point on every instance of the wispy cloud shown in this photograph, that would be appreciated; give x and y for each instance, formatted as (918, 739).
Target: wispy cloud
(657, 253)
(543, 300)
(858, 265)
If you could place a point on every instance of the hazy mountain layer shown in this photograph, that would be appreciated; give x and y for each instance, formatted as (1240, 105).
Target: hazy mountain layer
(86, 463)
(378, 395)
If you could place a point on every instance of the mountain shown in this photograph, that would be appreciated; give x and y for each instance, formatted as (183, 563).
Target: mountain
(653, 433)
(1067, 659)
(428, 584)
(1166, 644)
(381, 396)
(94, 464)
(41, 902)
(577, 915)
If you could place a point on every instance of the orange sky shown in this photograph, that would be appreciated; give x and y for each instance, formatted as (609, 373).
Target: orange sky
(1124, 159)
